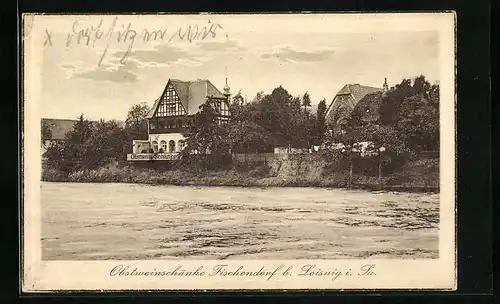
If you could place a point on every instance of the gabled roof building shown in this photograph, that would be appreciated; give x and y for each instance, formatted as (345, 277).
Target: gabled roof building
(341, 107)
(58, 127)
(173, 111)
(368, 107)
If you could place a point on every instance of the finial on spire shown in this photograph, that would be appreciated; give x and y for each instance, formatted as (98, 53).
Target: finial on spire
(226, 87)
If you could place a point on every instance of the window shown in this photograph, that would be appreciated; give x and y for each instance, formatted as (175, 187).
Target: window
(171, 146)
(222, 120)
(224, 109)
(155, 146)
(163, 145)
(221, 107)
(180, 145)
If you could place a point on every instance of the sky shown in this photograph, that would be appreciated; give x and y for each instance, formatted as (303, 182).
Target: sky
(317, 54)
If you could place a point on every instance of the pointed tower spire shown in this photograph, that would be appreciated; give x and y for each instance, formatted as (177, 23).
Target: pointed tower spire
(227, 89)
(386, 86)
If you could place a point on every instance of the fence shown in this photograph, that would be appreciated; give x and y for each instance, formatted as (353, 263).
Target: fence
(240, 159)
(285, 150)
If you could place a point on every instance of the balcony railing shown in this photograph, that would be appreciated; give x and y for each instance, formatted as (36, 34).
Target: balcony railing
(159, 130)
(153, 156)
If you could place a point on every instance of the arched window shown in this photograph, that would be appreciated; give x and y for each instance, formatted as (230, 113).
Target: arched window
(180, 145)
(155, 146)
(171, 146)
(163, 145)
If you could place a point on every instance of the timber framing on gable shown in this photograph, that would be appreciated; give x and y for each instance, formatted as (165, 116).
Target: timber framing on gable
(170, 103)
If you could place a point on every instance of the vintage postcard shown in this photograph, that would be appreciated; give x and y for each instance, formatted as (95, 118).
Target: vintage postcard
(238, 152)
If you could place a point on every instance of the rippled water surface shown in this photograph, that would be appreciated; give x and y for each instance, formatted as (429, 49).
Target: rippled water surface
(128, 221)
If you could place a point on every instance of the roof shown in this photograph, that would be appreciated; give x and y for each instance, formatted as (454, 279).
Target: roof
(153, 108)
(59, 127)
(368, 106)
(356, 91)
(192, 94)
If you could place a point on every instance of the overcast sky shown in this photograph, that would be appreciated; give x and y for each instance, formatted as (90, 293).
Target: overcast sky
(318, 54)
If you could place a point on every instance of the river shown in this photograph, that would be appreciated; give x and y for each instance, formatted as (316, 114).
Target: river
(83, 221)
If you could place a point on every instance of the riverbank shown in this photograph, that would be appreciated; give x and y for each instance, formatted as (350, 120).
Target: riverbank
(415, 176)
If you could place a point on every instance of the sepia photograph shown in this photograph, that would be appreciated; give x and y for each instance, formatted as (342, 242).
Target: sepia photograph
(239, 148)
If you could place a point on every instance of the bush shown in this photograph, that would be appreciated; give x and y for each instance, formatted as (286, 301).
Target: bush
(261, 171)
(53, 175)
(416, 174)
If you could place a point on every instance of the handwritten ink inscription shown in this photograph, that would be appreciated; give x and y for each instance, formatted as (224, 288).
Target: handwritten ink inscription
(266, 273)
(125, 34)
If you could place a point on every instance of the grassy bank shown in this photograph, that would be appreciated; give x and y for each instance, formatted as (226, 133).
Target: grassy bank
(418, 176)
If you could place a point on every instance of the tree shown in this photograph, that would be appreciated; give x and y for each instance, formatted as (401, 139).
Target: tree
(55, 158)
(305, 131)
(420, 86)
(381, 139)
(238, 100)
(244, 132)
(258, 97)
(433, 96)
(46, 133)
(136, 123)
(76, 151)
(273, 114)
(320, 122)
(280, 114)
(278, 118)
(350, 140)
(238, 107)
(109, 141)
(77, 145)
(390, 106)
(306, 101)
(247, 136)
(419, 123)
(413, 110)
(206, 136)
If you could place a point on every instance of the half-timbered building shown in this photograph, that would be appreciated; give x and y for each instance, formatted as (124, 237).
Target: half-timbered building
(172, 114)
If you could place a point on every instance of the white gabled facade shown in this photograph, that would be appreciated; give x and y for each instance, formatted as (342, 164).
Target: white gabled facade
(172, 114)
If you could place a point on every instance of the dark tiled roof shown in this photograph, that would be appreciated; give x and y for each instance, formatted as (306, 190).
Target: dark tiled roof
(59, 127)
(153, 108)
(192, 94)
(356, 91)
(368, 107)
(359, 91)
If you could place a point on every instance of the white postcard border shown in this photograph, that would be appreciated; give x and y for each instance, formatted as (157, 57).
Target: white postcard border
(438, 273)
